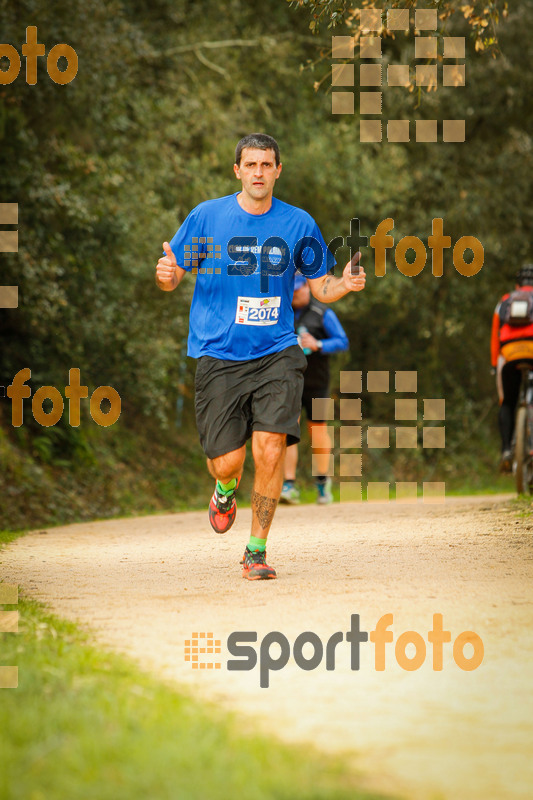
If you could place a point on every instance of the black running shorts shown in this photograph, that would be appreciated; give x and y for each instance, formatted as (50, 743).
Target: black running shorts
(235, 398)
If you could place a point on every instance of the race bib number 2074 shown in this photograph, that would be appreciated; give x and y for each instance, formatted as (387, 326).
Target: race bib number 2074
(257, 310)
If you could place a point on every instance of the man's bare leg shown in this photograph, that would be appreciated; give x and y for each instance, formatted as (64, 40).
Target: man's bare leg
(291, 462)
(321, 443)
(268, 450)
(225, 468)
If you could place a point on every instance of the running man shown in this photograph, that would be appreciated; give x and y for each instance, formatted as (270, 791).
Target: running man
(320, 335)
(245, 248)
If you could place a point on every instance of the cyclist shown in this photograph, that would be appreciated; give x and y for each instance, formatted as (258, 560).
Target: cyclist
(511, 342)
(320, 335)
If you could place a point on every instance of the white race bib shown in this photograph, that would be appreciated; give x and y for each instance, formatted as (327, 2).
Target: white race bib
(257, 310)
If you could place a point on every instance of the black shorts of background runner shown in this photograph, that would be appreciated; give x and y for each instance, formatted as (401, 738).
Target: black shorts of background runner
(235, 398)
(309, 393)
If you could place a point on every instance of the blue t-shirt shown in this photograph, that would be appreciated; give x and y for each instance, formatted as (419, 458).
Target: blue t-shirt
(245, 264)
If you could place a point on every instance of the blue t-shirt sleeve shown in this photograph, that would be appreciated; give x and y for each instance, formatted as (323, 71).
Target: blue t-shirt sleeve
(312, 256)
(336, 340)
(186, 244)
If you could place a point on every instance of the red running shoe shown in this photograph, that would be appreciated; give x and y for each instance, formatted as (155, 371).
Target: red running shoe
(223, 509)
(254, 566)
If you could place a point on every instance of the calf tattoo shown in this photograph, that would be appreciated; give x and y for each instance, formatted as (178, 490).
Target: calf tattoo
(264, 508)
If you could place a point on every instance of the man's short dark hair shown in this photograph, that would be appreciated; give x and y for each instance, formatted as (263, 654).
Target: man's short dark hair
(259, 141)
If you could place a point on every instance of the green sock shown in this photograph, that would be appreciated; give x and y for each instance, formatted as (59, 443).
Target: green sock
(257, 544)
(226, 488)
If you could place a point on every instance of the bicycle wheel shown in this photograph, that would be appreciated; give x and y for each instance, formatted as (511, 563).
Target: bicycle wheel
(524, 476)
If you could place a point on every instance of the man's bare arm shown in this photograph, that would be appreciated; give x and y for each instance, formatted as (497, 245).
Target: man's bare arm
(328, 288)
(167, 273)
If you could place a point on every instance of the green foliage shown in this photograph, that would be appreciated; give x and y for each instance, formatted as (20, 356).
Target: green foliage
(106, 168)
(482, 16)
(60, 474)
(441, 327)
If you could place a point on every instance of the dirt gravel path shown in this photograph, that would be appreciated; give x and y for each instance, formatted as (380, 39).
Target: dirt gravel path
(145, 585)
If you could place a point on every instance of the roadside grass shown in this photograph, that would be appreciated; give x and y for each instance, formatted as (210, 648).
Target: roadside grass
(86, 724)
(10, 536)
(523, 506)
(308, 492)
(500, 485)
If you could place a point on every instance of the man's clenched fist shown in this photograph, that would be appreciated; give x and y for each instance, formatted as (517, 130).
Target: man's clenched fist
(165, 271)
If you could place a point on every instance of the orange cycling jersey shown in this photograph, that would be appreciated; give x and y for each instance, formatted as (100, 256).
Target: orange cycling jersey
(512, 341)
